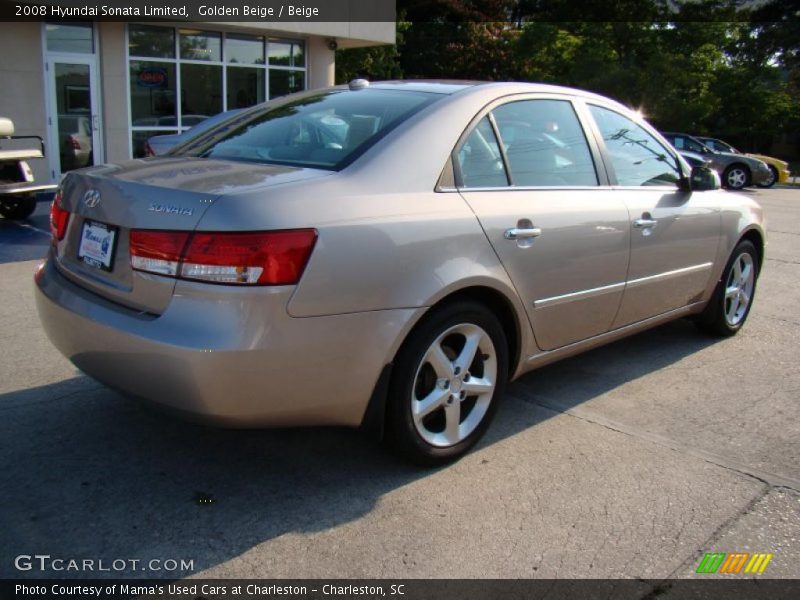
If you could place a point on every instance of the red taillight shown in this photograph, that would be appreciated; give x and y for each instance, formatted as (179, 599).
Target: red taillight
(158, 251)
(148, 150)
(255, 258)
(73, 143)
(58, 219)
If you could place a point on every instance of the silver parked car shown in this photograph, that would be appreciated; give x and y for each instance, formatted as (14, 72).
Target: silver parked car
(388, 256)
(736, 170)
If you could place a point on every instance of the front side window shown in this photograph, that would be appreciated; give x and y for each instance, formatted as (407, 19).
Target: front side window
(545, 144)
(327, 130)
(638, 158)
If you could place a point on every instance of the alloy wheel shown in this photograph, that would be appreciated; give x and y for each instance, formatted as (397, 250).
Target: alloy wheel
(770, 181)
(453, 385)
(739, 289)
(736, 178)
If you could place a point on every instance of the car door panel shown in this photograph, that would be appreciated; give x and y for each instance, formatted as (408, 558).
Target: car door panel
(563, 239)
(672, 261)
(571, 277)
(674, 233)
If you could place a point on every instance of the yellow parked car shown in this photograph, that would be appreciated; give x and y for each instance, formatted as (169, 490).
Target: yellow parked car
(778, 168)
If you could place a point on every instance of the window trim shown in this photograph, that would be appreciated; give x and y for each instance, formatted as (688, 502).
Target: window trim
(500, 146)
(603, 181)
(458, 178)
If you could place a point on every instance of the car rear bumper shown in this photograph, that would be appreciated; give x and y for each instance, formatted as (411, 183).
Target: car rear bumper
(231, 356)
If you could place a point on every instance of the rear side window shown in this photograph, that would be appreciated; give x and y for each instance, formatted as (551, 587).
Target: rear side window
(480, 162)
(638, 158)
(327, 130)
(545, 144)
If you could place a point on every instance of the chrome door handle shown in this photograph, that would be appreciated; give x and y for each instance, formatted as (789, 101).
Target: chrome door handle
(521, 234)
(645, 223)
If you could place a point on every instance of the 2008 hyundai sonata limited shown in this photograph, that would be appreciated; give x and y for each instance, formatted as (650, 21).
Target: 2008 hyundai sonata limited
(388, 256)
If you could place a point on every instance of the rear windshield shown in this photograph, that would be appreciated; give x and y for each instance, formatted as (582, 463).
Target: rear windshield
(328, 130)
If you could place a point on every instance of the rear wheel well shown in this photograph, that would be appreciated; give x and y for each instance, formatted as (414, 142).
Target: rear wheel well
(374, 419)
(501, 307)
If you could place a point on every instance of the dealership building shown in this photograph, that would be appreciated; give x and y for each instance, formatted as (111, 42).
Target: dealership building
(96, 91)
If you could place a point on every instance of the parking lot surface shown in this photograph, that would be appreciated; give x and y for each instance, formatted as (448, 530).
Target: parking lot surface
(632, 460)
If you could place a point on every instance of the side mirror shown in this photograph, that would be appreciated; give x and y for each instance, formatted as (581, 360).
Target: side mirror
(704, 179)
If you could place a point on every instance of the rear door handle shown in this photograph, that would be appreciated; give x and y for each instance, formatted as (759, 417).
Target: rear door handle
(521, 234)
(645, 223)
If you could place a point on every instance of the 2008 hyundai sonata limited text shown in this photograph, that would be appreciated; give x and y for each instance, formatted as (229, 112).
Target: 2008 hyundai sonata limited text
(387, 256)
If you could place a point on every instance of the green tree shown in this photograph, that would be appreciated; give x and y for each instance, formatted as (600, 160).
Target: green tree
(717, 67)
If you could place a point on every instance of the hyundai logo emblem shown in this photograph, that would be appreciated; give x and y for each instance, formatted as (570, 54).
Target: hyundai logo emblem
(91, 198)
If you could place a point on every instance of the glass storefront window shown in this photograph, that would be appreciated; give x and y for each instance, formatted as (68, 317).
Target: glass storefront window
(244, 49)
(73, 37)
(152, 93)
(201, 45)
(245, 87)
(285, 82)
(146, 40)
(180, 76)
(201, 92)
(286, 54)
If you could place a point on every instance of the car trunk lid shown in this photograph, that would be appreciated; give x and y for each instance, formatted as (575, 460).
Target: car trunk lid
(105, 203)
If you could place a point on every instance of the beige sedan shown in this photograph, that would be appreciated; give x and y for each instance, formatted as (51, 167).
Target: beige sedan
(387, 256)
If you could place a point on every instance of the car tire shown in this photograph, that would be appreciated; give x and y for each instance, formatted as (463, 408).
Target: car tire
(18, 207)
(432, 418)
(730, 304)
(773, 178)
(736, 177)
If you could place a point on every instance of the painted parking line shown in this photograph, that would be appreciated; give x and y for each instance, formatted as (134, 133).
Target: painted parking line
(32, 228)
(27, 239)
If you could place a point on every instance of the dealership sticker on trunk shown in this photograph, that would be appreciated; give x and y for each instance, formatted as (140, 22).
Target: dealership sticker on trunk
(97, 245)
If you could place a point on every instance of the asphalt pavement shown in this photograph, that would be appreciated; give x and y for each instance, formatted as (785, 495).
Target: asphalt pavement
(629, 461)
(28, 239)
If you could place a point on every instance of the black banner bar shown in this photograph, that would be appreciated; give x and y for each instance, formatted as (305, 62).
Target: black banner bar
(733, 588)
(261, 11)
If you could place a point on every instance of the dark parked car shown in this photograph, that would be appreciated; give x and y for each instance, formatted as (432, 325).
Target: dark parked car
(696, 160)
(779, 168)
(736, 170)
